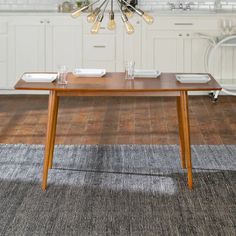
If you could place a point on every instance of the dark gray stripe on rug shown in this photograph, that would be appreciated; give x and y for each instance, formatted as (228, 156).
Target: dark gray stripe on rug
(117, 190)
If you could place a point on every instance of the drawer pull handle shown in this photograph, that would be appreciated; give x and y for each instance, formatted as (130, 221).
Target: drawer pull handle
(183, 23)
(99, 46)
(103, 28)
(180, 34)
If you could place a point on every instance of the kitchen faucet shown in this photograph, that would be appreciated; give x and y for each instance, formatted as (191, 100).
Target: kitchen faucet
(180, 6)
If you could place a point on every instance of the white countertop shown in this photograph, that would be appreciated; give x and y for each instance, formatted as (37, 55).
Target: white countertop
(157, 13)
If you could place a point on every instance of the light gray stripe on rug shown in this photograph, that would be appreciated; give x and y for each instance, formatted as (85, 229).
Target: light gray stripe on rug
(117, 190)
(24, 162)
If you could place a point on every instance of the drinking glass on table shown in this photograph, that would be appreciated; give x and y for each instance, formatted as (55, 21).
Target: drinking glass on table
(62, 74)
(129, 70)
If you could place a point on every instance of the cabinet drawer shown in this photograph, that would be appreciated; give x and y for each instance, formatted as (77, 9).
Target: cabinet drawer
(99, 47)
(3, 48)
(3, 27)
(185, 23)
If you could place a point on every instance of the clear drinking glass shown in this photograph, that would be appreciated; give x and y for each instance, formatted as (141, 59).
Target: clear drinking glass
(62, 74)
(129, 70)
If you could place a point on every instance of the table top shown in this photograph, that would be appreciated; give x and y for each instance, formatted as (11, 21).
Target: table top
(115, 82)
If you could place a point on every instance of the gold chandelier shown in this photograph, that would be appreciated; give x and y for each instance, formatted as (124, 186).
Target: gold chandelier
(126, 9)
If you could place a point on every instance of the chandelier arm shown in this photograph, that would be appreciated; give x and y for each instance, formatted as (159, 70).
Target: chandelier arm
(126, 8)
(112, 5)
(101, 15)
(91, 4)
(102, 4)
(107, 1)
(138, 11)
(78, 11)
(123, 16)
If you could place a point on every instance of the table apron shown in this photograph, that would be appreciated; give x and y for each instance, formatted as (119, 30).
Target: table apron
(116, 94)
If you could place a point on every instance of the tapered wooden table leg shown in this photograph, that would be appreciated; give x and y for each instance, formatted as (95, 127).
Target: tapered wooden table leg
(186, 134)
(50, 124)
(181, 134)
(54, 128)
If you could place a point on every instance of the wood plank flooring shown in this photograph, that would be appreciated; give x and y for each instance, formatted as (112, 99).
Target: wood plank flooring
(116, 120)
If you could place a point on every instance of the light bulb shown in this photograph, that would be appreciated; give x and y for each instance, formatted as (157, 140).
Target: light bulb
(128, 13)
(96, 27)
(149, 19)
(129, 27)
(91, 17)
(111, 24)
(78, 12)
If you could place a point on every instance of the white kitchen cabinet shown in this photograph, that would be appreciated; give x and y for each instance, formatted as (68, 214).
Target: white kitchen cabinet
(172, 44)
(195, 49)
(63, 43)
(131, 48)
(178, 49)
(3, 53)
(99, 50)
(26, 47)
(163, 50)
(41, 44)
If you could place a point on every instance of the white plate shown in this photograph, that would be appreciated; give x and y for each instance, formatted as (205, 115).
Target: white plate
(89, 72)
(146, 73)
(193, 79)
(37, 78)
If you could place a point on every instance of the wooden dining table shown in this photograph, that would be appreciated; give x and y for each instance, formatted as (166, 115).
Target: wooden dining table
(112, 85)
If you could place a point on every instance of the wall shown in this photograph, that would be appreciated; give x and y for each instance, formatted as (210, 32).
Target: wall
(144, 4)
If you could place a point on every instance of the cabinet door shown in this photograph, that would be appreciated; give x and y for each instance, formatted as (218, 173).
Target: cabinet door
(163, 50)
(3, 54)
(63, 42)
(26, 47)
(132, 43)
(100, 50)
(195, 49)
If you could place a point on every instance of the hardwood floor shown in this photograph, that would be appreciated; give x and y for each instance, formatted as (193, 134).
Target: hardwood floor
(116, 120)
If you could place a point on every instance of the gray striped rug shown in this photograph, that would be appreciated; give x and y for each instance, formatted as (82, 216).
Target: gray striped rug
(117, 190)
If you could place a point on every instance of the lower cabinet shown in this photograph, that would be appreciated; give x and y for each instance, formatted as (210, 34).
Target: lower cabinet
(3, 54)
(132, 45)
(42, 44)
(163, 50)
(99, 51)
(171, 44)
(180, 48)
(26, 47)
(63, 43)
(175, 51)
(110, 49)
